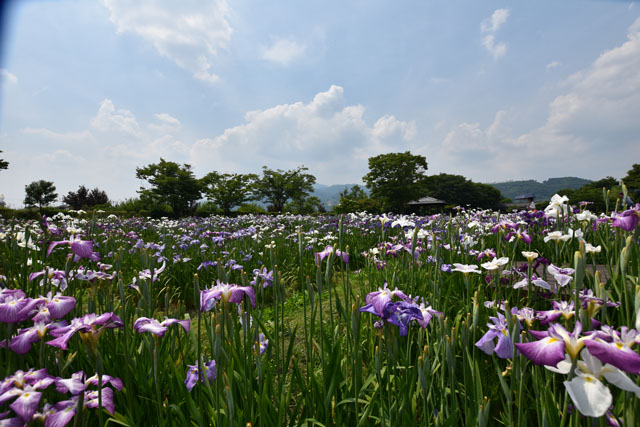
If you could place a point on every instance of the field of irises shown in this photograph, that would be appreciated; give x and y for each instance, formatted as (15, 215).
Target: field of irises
(474, 318)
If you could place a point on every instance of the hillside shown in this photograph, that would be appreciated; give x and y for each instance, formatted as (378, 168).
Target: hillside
(329, 195)
(542, 190)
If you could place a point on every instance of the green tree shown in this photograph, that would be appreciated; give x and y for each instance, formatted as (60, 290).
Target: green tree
(85, 198)
(458, 190)
(632, 181)
(355, 199)
(229, 190)
(278, 186)
(40, 193)
(172, 184)
(305, 205)
(592, 193)
(396, 179)
(3, 163)
(485, 196)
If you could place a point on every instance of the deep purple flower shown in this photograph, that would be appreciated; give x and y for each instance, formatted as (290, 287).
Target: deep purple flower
(145, 324)
(401, 313)
(376, 301)
(192, 374)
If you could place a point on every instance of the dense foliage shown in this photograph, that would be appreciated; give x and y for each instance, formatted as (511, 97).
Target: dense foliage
(458, 190)
(85, 198)
(395, 179)
(229, 190)
(40, 193)
(3, 163)
(632, 181)
(170, 183)
(277, 187)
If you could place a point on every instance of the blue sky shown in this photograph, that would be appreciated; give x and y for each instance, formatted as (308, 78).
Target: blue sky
(490, 90)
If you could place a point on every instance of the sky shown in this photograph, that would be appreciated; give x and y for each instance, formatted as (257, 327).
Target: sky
(492, 90)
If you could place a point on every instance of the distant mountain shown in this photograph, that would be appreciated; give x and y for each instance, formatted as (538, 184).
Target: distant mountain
(542, 190)
(329, 195)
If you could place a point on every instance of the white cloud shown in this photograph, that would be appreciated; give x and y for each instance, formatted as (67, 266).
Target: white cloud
(188, 32)
(592, 129)
(109, 119)
(165, 123)
(492, 24)
(553, 64)
(287, 135)
(283, 51)
(497, 50)
(489, 27)
(7, 76)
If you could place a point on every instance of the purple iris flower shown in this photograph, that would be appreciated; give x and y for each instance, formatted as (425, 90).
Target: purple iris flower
(376, 301)
(145, 324)
(207, 264)
(535, 280)
(227, 293)
(427, 314)
(192, 374)
(24, 386)
(262, 343)
(560, 308)
(146, 275)
(526, 314)
(497, 329)
(549, 350)
(26, 337)
(89, 323)
(328, 250)
(616, 349)
(266, 276)
(627, 220)
(518, 235)
(401, 313)
(14, 307)
(66, 409)
(80, 248)
(50, 307)
(79, 383)
(55, 277)
(562, 275)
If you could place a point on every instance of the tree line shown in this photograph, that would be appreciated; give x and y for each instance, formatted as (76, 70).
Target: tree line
(393, 180)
